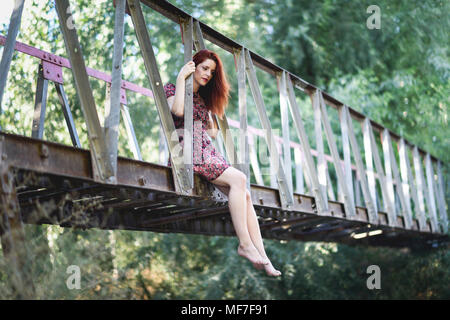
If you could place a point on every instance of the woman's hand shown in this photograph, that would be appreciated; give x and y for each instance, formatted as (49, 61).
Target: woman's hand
(187, 70)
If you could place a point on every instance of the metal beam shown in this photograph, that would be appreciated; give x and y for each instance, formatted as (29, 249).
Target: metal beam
(388, 164)
(13, 30)
(368, 199)
(348, 174)
(101, 164)
(408, 181)
(112, 110)
(284, 111)
(431, 203)
(312, 178)
(244, 160)
(67, 115)
(132, 140)
(181, 176)
(369, 164)
(441, 198)
(348, 202)
(40, 104)
(376, 157)
(285, 194)
(321, 163)
(187, 26)
(406, 207)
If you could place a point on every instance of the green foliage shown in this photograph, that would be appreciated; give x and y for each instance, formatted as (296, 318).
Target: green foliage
(397, 76)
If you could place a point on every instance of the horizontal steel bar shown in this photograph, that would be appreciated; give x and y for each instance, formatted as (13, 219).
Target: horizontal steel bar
(64, 62)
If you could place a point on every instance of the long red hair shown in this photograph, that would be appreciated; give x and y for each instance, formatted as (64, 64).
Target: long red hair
(216, 92)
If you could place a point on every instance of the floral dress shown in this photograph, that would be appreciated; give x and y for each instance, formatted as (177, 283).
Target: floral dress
(207, 161)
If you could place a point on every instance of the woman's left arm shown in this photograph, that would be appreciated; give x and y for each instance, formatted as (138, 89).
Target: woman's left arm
(212, 127)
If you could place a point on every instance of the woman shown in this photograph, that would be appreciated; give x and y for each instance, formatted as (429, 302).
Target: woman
(211, 91)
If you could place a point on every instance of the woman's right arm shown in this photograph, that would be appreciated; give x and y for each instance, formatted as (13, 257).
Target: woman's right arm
(176, 102)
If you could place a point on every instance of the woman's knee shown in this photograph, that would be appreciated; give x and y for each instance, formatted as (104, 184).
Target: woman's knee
(232, 178)
(240, 179)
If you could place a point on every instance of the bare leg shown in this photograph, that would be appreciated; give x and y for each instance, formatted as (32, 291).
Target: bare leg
(255, 234)
(236, 181)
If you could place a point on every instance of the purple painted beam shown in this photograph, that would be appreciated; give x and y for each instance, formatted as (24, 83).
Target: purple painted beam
(63, 62)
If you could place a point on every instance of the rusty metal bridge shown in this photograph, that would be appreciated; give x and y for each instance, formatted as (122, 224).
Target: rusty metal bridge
(42, 182)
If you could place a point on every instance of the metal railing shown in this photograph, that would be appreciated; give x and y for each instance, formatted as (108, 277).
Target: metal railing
(410, 199)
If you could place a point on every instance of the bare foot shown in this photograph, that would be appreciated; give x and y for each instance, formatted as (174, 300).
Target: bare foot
(271, 271)
(251, 254)
(258, 266)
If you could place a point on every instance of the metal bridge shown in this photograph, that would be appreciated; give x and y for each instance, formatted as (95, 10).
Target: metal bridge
(42, 182)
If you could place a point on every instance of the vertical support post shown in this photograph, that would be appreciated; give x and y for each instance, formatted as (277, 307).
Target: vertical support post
(311, 176)
(40, 104)
(404, 201)
(243, 124)
(408, 181)
(348, 201)
(273, 175)
(388, 168)
(132, 141)
(369, 164)
(99, 153)
(284, 111)
(347, 155)
(403, 155)
(188, 100)
(321, 163)
(376, 157)
(112, 112)
(199, 43)
(441, 198)
(13, 237)
(420, 181)
(361, 173)
(431, 203)
(358, 191)
(68, 115)
(13, 30)
(286, 197)
(181, 178)
(299, 180)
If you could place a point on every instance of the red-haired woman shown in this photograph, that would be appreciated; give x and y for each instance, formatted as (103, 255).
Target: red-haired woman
(211, 92)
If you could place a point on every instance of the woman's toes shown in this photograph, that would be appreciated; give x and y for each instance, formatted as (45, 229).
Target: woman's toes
(271, 271)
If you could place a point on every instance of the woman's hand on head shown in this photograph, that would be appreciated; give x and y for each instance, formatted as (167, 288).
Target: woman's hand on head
(187, 70)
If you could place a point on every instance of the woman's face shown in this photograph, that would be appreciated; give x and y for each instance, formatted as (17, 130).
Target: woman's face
(204, 72)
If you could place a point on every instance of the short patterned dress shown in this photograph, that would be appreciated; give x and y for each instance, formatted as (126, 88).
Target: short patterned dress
(207, 161)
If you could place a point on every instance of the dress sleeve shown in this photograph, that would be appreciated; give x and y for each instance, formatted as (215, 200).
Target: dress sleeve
(169, 89)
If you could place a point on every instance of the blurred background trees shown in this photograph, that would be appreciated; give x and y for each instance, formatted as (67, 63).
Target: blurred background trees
(398, 76)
